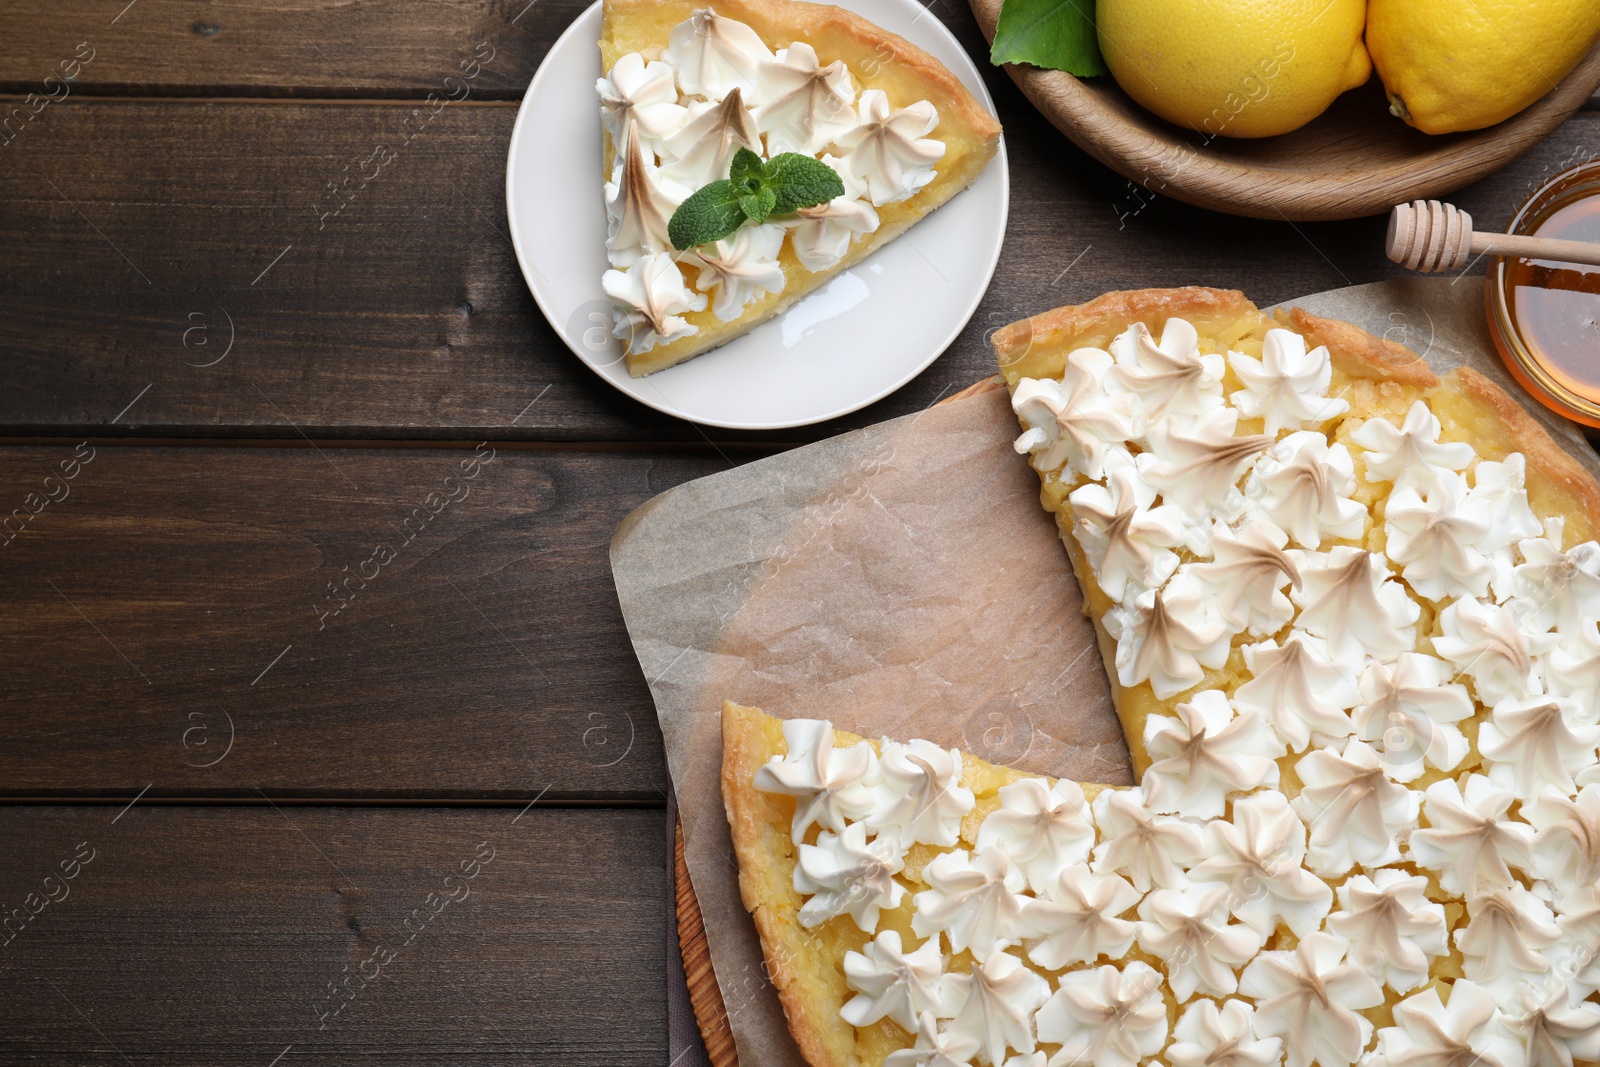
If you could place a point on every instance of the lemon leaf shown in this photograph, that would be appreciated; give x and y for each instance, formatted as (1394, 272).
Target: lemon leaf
(1054, 34)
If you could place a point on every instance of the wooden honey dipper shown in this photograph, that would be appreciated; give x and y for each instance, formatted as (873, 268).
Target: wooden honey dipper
(1428, 236)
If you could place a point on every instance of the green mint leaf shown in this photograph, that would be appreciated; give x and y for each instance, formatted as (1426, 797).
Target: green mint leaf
(1055, 34)
(709, 215)
(746, 164)
(757, 206)
(801, 181)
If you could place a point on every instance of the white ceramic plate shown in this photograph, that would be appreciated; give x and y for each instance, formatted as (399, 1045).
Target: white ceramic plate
(860, 337)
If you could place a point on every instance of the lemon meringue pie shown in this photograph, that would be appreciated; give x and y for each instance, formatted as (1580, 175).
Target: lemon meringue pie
(679, 99)
(1351, 617)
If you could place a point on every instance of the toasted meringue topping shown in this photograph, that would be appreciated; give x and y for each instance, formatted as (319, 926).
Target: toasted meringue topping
(1077, 918)
(1428, 1034)
(1411, 455)
(1107, 1017)
(1573, 669)
(1246, 575)
(934, 1048)
(703, 150)
(829, 784)
(1500, 945)
(741, 268)
(1171, 378)
(1566, 849)
(1347, 597)
(1042, 828)
(1031, 1059)
(643, 94)
(1485, 643)
(822, 233)
(1353, 808)
(650, 299)
(1209, 1036)
(1308, 998)
(847, 874)
(1409, 710)
(1562, 589)
(1149, 850)
(1298, 690)
(1199, 469)
(1287, 386)
(1576, 956)
(1189, 929)
(891, 982)
(1304, 486)
(1394, 930)
(1258, 856)
(1206, 753)
(1128, 540)
(891, 150)
(1075, 421)
(1434, 537)
(1500, 488)
(1551, 1034)
(639, 204)
(975, 900)
(715, 55)
(998, 998)
(803, 105)
(1533, 742)
(1470, 840)
(1157, 642)
(922, 797)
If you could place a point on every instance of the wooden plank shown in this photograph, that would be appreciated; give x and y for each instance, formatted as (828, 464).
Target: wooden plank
(301, 48)
(361, 623)
(207, 936)
(305, 48)
(406, 315)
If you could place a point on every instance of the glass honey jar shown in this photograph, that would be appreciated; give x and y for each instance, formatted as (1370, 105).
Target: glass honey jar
(1544, 316)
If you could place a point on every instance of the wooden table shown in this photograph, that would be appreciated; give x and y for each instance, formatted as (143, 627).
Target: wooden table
(246, 755)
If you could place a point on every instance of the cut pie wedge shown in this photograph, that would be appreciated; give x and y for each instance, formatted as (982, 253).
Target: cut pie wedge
(1351, 615)
(685, 90)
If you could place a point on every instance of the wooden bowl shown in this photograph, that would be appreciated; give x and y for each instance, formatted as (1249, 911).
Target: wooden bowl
(1355, 159)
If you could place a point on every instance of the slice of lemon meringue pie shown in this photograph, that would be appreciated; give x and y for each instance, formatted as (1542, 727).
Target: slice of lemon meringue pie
(788, 140)
(1351, 616)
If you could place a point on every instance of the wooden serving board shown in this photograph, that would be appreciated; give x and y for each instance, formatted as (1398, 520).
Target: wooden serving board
(709, 1011)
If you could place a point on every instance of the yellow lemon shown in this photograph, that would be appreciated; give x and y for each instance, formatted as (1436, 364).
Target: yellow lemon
(1235, 68)
(1451, 66)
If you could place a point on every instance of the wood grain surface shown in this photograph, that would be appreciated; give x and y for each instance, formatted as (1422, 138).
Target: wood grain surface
(265, 391)
(406, 317)
(183, 597)
(315, 48)
(199, 937)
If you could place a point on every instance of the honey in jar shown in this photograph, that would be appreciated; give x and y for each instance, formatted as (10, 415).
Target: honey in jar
(1546, 315)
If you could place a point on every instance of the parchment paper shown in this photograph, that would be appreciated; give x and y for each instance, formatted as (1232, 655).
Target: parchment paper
(902, 580)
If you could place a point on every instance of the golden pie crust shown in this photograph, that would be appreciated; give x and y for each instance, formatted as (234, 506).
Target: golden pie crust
(877, 59)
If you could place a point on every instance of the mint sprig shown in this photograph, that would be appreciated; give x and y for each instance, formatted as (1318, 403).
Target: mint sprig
(753, 190)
